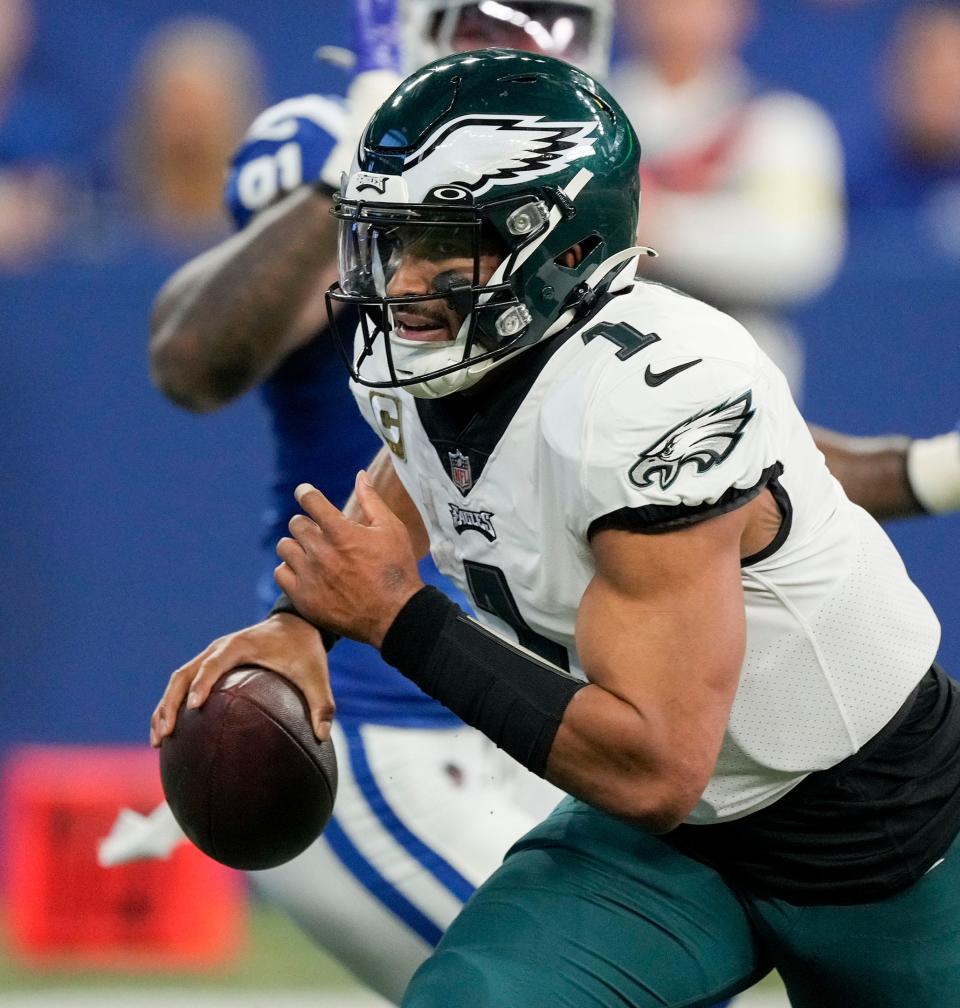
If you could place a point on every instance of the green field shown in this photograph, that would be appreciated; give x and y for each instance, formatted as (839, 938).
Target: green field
(276, 956)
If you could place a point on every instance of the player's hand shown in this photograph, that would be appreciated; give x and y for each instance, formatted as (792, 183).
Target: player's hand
(283, 643)
(378, 71)
(353, 577)
(288, 145)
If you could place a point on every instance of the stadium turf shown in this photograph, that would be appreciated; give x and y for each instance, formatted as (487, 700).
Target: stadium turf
(277, 958)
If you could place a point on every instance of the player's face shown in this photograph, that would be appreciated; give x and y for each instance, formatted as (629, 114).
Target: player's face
(423, 263)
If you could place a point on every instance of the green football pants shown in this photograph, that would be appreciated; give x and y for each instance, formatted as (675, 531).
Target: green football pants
(589, 912)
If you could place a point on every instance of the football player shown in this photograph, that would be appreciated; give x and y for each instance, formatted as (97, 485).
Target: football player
(683, 622)
(247, 310)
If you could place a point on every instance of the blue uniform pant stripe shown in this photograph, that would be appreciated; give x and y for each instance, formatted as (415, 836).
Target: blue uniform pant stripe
(375, 883)
(441, 869)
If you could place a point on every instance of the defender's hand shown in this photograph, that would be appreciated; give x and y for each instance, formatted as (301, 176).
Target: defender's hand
(378, 71)
(353, 577)
(282, 643)
(287, 146)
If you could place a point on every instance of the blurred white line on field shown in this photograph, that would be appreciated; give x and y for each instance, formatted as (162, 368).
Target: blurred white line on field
(125, 997)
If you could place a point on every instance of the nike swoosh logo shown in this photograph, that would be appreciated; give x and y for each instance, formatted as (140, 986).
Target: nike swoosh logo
(653, 380)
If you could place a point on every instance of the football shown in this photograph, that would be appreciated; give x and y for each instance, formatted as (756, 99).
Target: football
(244, 775)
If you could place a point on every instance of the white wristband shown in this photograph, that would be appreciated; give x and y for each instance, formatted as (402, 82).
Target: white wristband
(933, 470)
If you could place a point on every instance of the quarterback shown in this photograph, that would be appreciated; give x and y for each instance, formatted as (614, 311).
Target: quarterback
(683, 622)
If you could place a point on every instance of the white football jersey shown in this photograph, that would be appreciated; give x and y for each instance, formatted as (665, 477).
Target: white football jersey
(665, 406)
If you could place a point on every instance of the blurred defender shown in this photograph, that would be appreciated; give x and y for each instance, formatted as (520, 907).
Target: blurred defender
(250, 309)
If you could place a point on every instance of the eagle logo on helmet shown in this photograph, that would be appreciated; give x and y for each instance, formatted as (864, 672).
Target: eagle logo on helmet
(480, 152)
(703, 441)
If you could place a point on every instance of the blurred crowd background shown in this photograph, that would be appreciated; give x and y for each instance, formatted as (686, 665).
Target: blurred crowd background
(130, 527)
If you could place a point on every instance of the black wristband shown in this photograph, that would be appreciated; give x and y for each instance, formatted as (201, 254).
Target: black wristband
(509, 694)
(284, 605)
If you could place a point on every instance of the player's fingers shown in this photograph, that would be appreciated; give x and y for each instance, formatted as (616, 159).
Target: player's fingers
(159, 726)
(290, 552)
(316, 506)
(374, 508)
(284, 578)
(220, 661)
(319, 697)
(305, 530)
(164, 717)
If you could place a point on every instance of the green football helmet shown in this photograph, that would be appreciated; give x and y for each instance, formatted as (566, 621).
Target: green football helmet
(516, 172)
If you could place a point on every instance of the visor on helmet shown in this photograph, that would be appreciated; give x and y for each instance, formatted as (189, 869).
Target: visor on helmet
(458, 261)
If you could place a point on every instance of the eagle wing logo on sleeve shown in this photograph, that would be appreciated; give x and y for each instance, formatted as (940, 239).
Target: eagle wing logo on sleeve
(703, 441)
(479, 152)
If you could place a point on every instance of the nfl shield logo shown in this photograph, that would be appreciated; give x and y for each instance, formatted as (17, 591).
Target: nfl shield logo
(460, 471)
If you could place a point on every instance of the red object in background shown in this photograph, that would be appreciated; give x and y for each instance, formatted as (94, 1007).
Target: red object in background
(63, 909)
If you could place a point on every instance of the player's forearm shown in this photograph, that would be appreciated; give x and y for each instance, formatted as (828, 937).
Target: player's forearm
(872, 471)
(646, 762)
(226, 319)
(606, 753)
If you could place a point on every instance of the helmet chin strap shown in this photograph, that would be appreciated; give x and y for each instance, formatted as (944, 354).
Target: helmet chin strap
(627, 260)
(455, 381)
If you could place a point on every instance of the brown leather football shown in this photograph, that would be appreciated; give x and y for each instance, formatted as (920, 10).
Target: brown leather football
(244, 775)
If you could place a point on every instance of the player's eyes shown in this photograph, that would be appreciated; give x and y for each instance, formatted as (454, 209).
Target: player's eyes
(448, 250)
(435, 251)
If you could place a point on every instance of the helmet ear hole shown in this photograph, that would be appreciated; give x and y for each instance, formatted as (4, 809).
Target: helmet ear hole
(574, 255)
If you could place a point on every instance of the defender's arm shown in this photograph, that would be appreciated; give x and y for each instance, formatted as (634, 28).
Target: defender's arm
(895, 476)
(227, 318)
